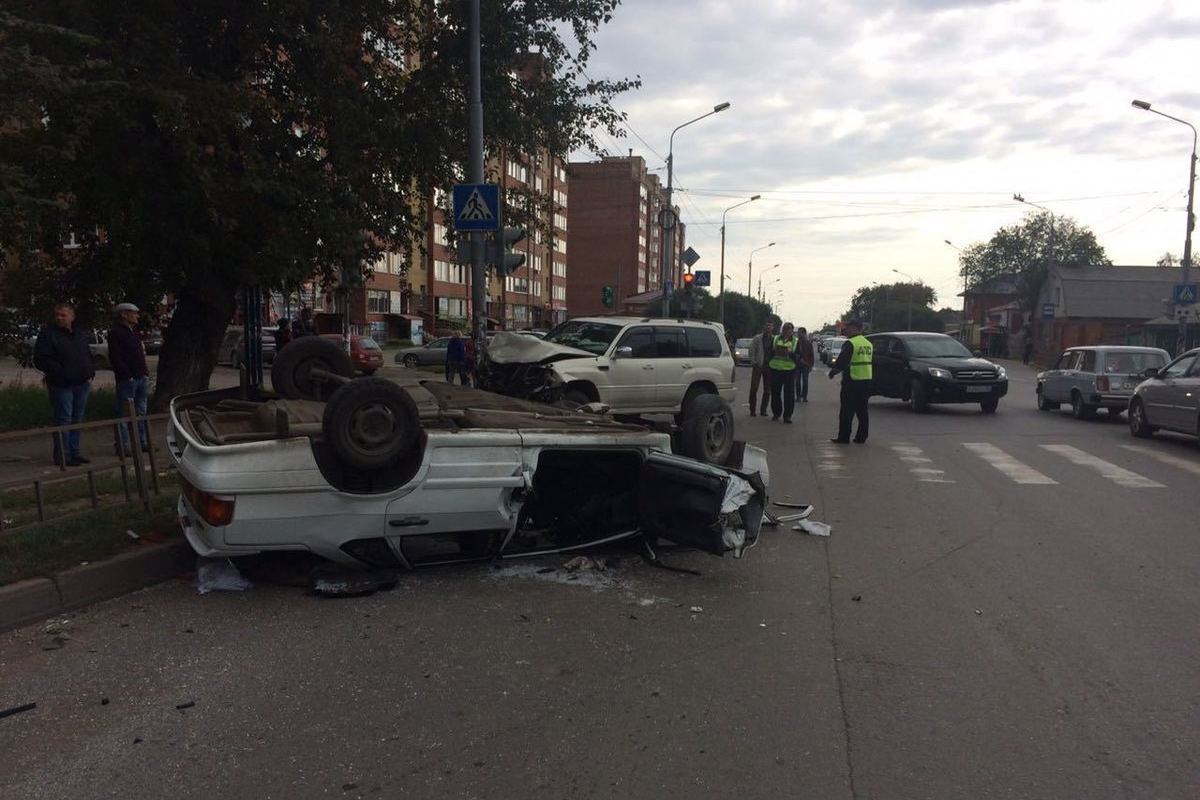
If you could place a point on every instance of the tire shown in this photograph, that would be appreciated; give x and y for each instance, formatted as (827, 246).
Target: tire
(1138, 425)
(1080, 409)
(707, 430)
(411, 361)
(918, 396)
(369, 372)
(370, 423)
(989, 406)
(689, 399)
(1045, 405)
(292, 367)
(576, 395)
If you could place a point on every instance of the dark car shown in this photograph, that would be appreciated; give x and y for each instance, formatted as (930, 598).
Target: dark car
(926, 368)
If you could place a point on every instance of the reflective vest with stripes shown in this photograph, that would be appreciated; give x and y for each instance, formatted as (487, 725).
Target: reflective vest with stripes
(860, 358)
(783, 362)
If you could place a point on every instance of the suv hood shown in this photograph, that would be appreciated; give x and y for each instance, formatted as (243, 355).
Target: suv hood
(517, 348)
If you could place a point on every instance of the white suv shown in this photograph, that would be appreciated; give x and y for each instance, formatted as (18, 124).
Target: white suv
(633, 365)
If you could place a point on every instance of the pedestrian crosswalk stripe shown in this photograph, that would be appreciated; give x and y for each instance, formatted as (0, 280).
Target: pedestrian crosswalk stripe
(921, 469)
(1002, 461)
(1118, 475)
(1166, 458)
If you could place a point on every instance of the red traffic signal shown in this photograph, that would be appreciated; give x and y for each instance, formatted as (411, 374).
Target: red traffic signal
(688, 279)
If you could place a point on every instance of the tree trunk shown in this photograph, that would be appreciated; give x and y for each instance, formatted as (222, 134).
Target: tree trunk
(189, 351)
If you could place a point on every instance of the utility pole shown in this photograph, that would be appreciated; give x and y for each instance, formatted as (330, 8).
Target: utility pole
(475, 167)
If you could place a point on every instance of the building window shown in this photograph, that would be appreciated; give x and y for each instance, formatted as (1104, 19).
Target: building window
(538, 183)
(441, 270)
(560, 198)
(537, 263)
(560, 245)
(516, 283)
(560, 293)
(560, 174)
(560, 269)
(440, 234)
(560, 221)
(520, 313)
(378, 302)
(517, 171)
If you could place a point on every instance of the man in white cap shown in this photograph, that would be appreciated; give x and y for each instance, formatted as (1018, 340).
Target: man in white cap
(127, 358)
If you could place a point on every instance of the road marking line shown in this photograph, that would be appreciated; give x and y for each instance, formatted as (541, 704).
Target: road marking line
(911, 454)
(1002, 461)
(1118, 475)
(1166, 458)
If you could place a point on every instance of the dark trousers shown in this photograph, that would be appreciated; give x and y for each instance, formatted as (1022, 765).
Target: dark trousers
(458, 368)
(855, 395)
(764, 375)
(783, 393)
(68, 404)
(137, 390)
(802, 371)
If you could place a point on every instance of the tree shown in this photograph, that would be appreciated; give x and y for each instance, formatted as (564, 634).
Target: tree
(195, 148)
(869, 303)
(1025, 252)
(1168, 259)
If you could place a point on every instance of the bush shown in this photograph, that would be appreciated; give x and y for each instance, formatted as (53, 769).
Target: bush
(23, 407)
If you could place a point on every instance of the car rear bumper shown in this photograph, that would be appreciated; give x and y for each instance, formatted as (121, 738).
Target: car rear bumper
(1118, 400)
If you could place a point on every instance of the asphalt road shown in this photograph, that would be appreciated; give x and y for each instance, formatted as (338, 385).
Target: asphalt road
(1006, 608)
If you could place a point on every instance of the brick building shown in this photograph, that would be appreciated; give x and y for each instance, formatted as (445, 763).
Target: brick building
(614, 233)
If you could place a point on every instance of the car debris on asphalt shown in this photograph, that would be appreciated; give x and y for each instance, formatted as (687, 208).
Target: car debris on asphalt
(813, 528)
(219, 575)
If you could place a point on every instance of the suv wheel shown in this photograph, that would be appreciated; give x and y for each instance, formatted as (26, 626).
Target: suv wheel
(918, 397)
(1080, 409)
(707, 430)
(1138, 425)
(576, 396)
(989, 406)
(689, 400)
(370, 423)
(1044, 404)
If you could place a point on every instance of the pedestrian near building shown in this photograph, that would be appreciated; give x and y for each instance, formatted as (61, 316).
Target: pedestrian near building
(456, 359)
(283, 334)
(1027, 348)
(783, 381)
(854, 362)
(127, 358)
(304, 325)
(63, 356)
(760, 354)
(804, 364)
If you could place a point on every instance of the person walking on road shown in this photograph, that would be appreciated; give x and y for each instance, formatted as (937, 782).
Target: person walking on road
(783, 382)
(760, 354)
(804, 364)
(1027, 348)
(854, 362)
(127, 358)
(456, 359)
(63, 356)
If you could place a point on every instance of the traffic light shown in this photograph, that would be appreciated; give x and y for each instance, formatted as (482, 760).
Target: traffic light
(499, 251)
(608, 297)
(687, 303)
(688, 280)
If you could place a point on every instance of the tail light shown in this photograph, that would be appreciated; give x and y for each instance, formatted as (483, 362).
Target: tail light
(1102, 383)
(214, 510)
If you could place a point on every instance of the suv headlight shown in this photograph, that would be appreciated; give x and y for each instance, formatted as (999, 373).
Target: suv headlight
(1001, 373)
(938, 372)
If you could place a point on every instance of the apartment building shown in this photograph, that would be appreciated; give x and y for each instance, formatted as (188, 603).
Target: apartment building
(615, 235)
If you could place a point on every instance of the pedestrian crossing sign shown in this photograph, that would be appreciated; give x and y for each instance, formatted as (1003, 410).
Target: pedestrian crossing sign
(1185, 294)
(476, 207)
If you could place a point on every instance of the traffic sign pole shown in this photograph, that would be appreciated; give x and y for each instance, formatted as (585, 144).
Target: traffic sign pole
(475, 158)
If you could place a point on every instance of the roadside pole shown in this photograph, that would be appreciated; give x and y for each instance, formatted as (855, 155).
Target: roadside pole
(475, 165)
(1187, 246)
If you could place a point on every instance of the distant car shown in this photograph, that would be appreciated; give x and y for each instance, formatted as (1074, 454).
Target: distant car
(231, 351)
(741, 352)
(365, 353)
(927, 368)
(830, 348)
(152, 342)
(1169, 398)
(1089, 378)
(433, 352)
(97, 346)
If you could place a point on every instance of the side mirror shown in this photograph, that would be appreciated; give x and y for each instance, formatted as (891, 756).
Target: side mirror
(977, 353)
(1151, 372)
(624, 351)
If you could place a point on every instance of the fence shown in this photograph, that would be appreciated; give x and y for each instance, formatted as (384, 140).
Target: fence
(142, 462)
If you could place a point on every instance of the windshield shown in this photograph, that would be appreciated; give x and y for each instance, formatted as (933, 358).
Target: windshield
(935, 347)
(594, 337)
(1132, 363)
(743, 342)
(368, 344)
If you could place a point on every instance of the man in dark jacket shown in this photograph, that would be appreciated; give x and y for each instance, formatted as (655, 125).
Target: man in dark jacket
(62, 354)
(128, 362)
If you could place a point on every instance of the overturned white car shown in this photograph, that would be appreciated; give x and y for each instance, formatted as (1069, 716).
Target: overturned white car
(374, 472)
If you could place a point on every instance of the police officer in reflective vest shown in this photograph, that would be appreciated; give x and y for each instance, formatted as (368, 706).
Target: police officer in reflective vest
(783, 379)
(854, 362)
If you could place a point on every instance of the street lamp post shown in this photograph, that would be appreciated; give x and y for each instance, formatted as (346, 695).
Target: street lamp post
(964, 328)
(1053, 243)
(760, 277)
(666, 217)
(912, 281)
(1191, 219)
(750, 274)
(721, 299)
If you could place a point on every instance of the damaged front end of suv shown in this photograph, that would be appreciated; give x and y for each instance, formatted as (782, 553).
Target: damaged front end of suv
(521, 366)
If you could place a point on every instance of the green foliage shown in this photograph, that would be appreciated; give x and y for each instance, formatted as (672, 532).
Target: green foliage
(870, 302)
(24, 406)
(744, 316)
(1025, 253)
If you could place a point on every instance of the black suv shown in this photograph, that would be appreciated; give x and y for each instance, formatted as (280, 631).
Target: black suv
(925, 368)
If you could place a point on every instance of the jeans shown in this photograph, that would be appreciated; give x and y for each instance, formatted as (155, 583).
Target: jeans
(68, 404)
(137, 390)
(802, 371)
(458, 368)
(783, 393)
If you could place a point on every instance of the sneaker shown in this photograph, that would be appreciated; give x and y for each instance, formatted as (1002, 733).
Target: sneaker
(788, 420)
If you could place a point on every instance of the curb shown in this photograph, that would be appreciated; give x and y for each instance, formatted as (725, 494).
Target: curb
(30, 601)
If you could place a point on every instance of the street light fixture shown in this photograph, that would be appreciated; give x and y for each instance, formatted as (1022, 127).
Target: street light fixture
(760, 277)
(666, 217)
(1191, 218)
(721, 300)
(909, 293)
(750, 274)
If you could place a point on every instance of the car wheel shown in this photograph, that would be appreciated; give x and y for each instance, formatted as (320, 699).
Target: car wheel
(989, 406)
(918, 396)
(291, 371)
(1080, 409)
(1044, 404)
(411, 361)
(368, 372)
(689, 399)
(707, 430)
(576, 396)
(1139, 426)
(370, 423)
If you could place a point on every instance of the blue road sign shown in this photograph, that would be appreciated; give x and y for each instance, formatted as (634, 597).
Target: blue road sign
(703, 277)
(1185, 294)
(1048, 311)
(670, 288)
(476, 207)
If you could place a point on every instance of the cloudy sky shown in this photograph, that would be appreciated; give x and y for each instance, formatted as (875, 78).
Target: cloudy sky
(876, 130)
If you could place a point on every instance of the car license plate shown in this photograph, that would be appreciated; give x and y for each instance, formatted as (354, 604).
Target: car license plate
(979, 390)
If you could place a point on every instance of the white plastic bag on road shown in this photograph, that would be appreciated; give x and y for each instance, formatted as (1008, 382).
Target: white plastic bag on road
(219, 575)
